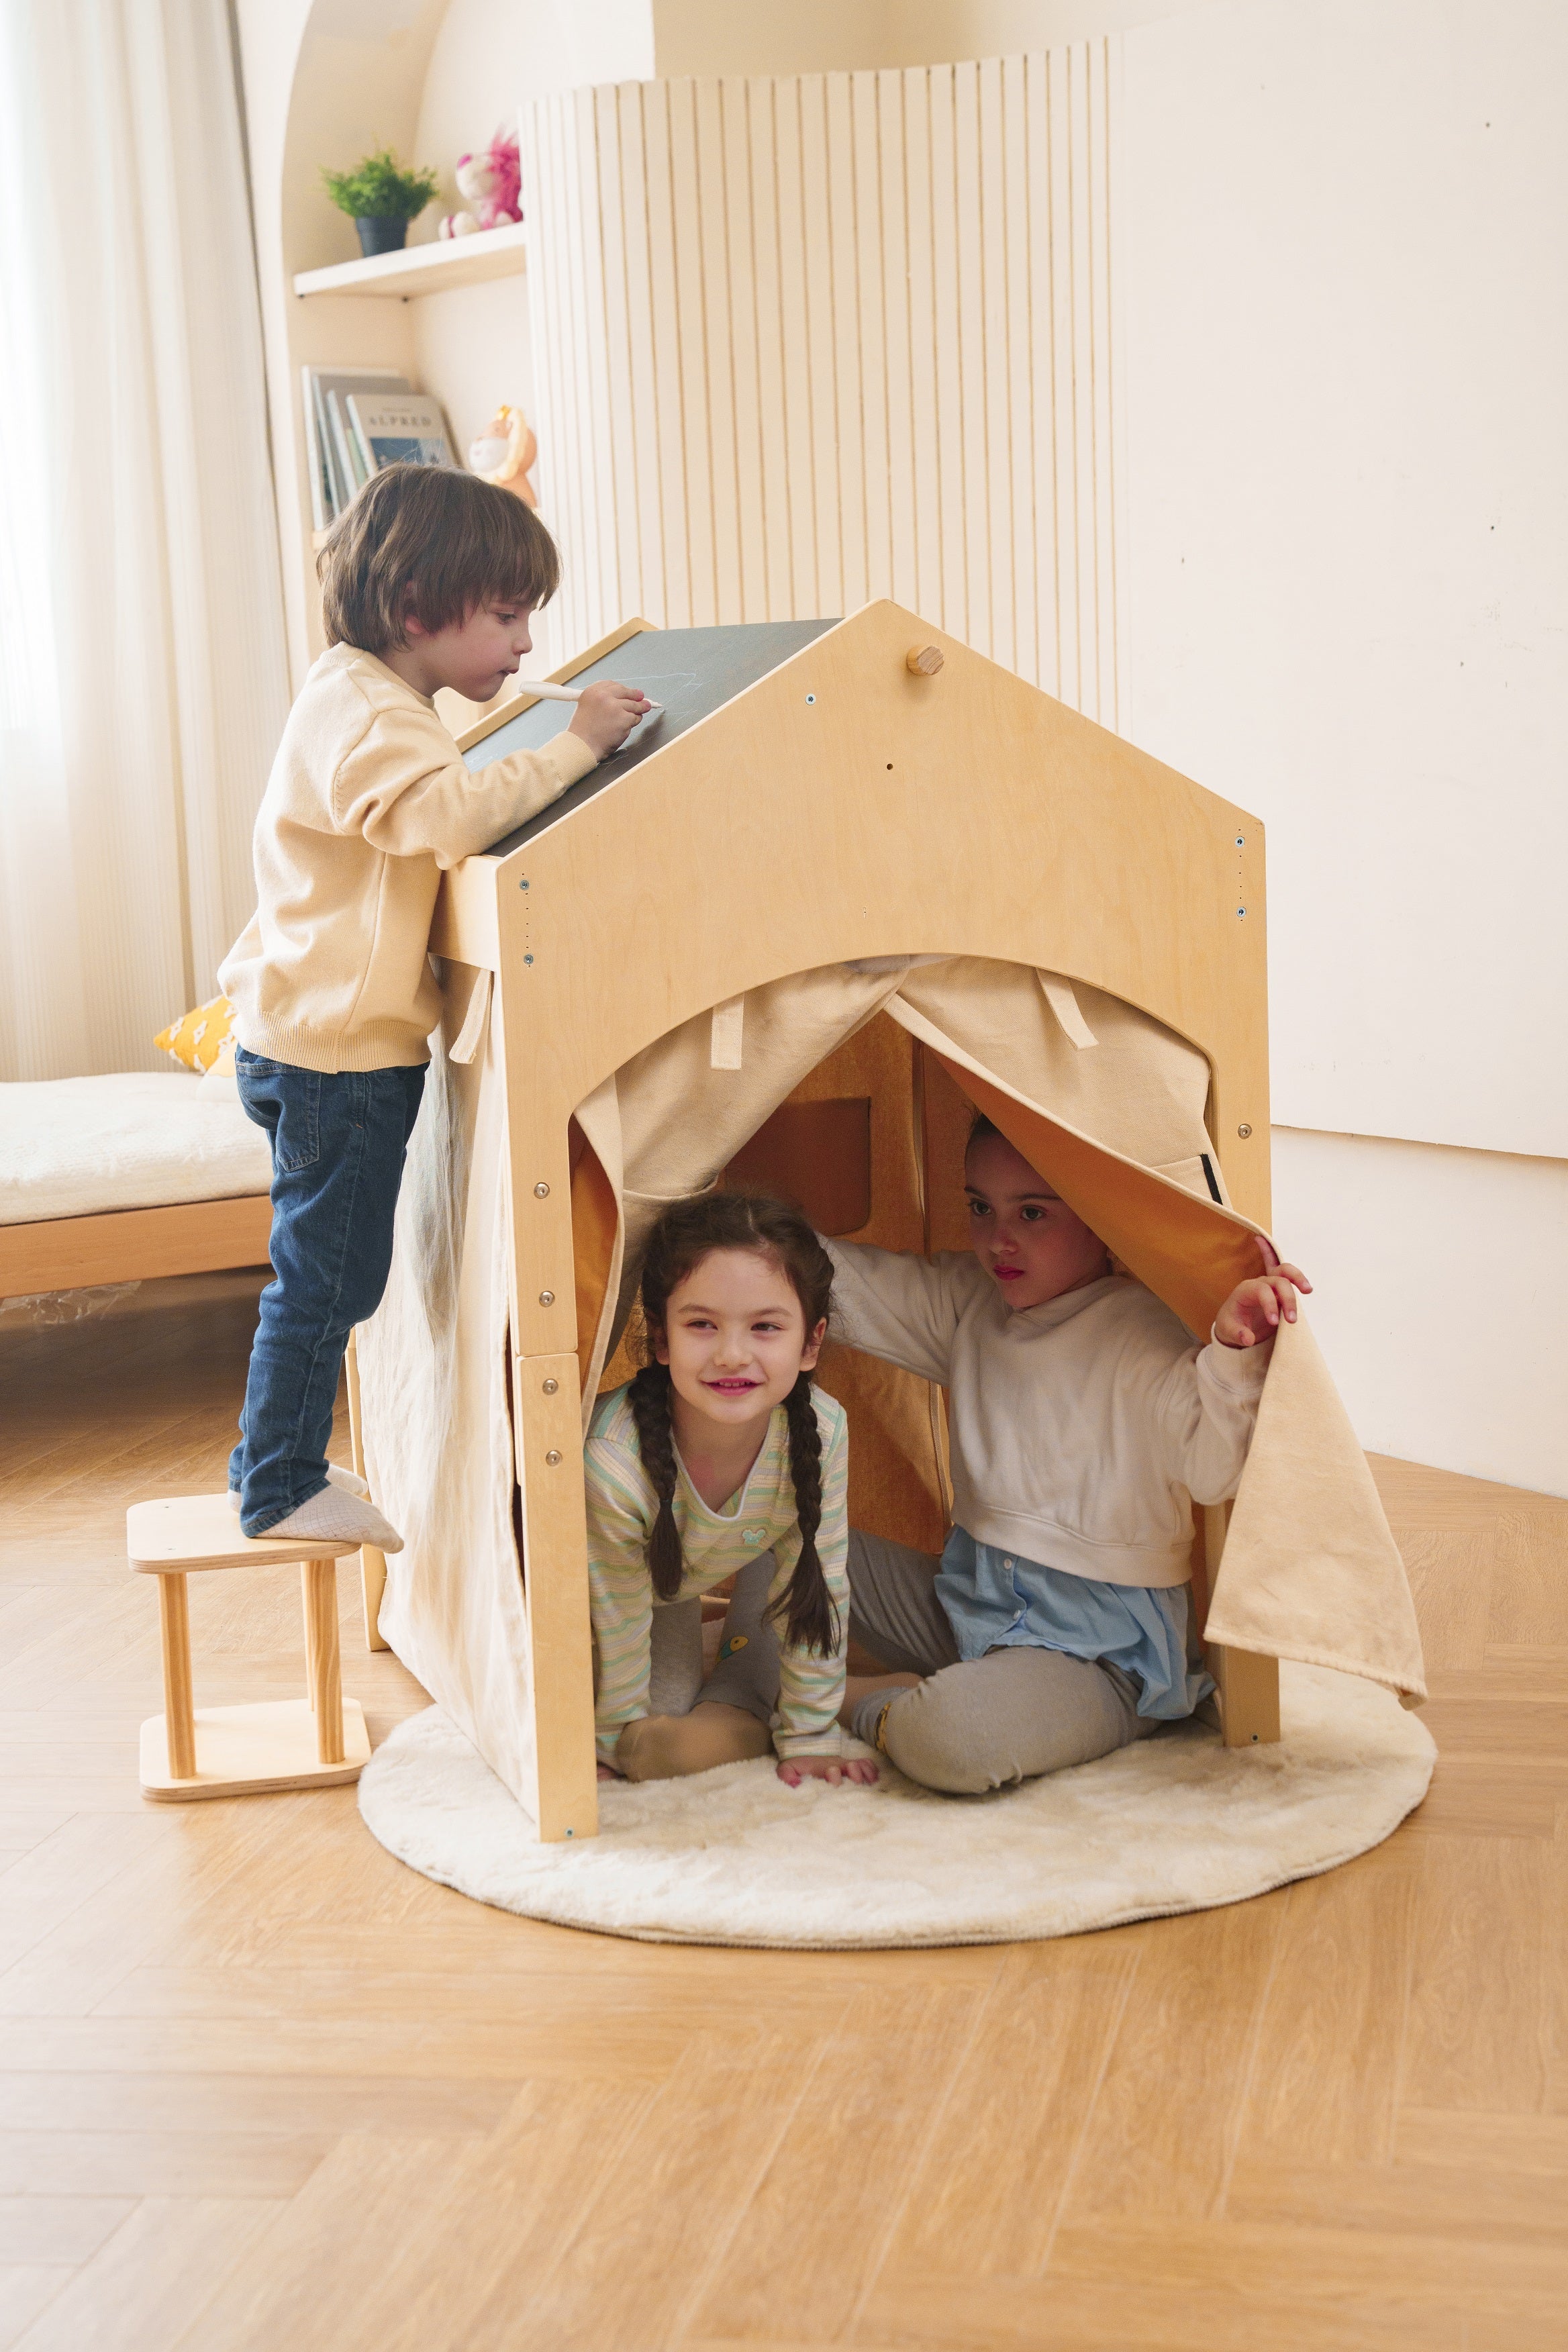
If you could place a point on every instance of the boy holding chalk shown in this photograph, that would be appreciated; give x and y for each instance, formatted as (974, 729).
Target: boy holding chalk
(428, 580)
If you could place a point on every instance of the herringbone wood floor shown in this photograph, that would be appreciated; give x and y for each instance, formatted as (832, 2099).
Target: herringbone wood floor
(260, 2087)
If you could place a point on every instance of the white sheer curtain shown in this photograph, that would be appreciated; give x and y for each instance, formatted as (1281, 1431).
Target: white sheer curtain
(143, 678)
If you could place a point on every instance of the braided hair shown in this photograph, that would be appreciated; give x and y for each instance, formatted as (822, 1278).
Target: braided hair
(686, 1232)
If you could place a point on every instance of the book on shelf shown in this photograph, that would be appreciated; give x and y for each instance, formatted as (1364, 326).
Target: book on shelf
(400, 428)
(339, 454)
(353, 463)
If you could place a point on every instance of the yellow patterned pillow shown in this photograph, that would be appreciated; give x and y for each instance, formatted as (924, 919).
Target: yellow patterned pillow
(196, 1042)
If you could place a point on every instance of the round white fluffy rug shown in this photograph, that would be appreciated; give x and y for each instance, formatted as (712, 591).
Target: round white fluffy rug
(1174, 1824)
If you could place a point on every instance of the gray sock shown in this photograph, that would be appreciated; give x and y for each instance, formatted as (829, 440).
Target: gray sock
(349, 1480)
(341, 1517)
(867, 1715)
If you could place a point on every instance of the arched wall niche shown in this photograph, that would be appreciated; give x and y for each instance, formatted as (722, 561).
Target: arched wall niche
(324, 79)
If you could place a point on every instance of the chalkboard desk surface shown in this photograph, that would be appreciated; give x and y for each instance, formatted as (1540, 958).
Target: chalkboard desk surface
(691, 672)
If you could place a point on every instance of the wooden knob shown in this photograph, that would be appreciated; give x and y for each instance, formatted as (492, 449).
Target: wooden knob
(924, 660)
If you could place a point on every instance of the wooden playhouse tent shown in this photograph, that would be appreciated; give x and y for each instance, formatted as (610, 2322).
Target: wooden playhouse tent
(824, 904)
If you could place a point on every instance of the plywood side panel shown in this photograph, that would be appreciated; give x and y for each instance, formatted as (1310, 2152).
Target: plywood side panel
(835, 337)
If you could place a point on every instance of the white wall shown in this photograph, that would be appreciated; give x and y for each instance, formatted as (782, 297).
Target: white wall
(489, 58)
(797, 36)
(1440, 1280)
(1346, 235)
(1342, 233)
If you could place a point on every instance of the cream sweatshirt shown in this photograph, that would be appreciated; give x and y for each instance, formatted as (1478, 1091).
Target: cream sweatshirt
(368, 800)
(1078, 1430)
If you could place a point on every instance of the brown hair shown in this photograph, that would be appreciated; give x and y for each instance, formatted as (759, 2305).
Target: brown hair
(433, 542)
(686, 1232)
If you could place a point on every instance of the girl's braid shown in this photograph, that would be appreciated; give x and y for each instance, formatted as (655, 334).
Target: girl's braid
(806, 1606)
(649, 1399)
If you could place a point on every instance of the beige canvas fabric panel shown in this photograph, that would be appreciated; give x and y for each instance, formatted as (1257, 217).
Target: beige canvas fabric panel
(1113, 1073)
(1311, 1569)
(438, 1431)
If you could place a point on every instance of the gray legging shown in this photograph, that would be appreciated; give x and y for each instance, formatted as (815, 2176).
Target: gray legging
(976, 1723)
(747, 1677)
(972, 1725)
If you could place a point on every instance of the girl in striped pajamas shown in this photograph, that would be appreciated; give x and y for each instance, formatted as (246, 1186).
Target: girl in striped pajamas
(722, 1460)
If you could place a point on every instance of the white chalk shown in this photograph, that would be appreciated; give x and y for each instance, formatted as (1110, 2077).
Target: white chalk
(547, 692)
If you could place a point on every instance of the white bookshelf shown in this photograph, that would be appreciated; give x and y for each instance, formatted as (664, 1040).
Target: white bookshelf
(425, 269)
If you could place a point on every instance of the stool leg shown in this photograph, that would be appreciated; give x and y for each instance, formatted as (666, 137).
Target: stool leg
(307, 1599)
(179, 1714)
(372, 1562)
(322, 1644)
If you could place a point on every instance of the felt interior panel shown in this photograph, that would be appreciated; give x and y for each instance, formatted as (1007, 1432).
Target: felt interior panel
(596, 1214)
(817, 1154)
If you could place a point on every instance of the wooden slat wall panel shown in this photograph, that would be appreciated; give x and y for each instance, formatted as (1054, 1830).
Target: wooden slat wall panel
(810, 340)
(741, 459)
(798, 457)
(765, 261)
(699, 226)
(624, 518)
(925, 483)
(953, 595)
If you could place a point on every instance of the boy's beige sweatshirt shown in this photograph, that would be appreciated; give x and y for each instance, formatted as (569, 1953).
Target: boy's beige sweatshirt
(368, 800)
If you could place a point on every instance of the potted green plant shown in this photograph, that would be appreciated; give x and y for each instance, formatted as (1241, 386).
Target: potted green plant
(381, 198)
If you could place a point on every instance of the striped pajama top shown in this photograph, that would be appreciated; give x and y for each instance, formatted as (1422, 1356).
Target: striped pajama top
(622, 1508)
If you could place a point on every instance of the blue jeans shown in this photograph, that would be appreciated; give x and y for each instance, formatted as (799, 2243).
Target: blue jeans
(339, 1140)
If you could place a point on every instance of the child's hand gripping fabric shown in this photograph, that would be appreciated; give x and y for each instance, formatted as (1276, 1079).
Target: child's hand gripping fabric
(1252, 1312)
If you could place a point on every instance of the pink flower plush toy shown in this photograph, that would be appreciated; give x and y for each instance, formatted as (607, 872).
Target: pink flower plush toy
(491, 183)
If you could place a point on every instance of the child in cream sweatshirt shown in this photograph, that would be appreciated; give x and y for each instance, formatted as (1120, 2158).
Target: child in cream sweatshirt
(1084, 1422)
(428, 580)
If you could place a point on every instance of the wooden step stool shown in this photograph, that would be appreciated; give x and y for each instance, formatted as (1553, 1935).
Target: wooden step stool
(227, 1751)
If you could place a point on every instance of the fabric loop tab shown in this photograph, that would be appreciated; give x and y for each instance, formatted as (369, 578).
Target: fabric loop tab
(1060, 995)
(729, 1020)
(466, 1044)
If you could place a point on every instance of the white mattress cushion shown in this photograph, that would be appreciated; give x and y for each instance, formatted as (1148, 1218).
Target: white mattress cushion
(139, 1139)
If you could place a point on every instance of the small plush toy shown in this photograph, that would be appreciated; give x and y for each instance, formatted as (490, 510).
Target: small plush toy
(492, 183)
(504, 452)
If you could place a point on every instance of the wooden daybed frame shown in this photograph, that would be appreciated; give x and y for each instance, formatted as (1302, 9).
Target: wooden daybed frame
(135, 1244)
